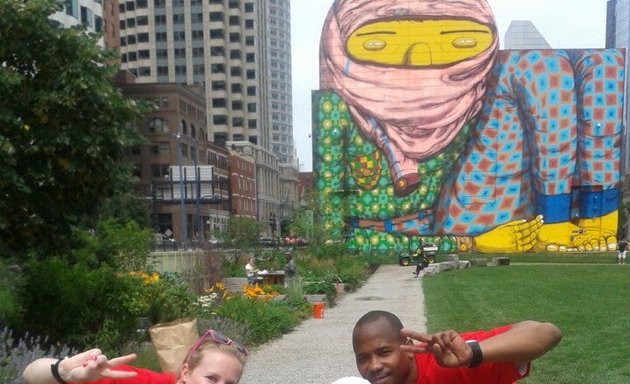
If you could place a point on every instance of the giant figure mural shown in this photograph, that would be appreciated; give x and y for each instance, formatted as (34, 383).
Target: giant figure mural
(424, 131)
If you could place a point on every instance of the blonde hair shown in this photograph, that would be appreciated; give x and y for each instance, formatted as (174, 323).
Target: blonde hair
(208, 345)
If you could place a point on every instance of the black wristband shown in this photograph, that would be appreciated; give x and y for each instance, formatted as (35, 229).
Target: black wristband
(54, 368)
(477, 356)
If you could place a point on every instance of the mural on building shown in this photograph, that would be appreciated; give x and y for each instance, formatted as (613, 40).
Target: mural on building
(424, 132)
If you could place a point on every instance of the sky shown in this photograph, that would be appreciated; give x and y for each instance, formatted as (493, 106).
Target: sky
(563, 23)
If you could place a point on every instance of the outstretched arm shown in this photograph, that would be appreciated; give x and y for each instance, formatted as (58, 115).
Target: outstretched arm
(81, 368)
(522, 343)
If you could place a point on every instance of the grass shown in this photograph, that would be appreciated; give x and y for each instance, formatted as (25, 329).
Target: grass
(588, 302)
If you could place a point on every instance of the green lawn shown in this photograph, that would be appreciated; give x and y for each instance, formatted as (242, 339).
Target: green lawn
(590, 303)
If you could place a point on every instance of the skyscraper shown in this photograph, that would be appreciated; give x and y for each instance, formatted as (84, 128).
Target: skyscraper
(522, 34)
(239, 50)
(618, 36)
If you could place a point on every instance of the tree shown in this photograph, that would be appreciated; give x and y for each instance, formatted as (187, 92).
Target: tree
(64, 127)
(242, 232)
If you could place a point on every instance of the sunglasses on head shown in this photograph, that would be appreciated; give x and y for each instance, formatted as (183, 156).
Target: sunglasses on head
(216, 338)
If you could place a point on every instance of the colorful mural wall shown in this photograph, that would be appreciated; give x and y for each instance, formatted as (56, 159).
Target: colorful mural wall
(424, 132)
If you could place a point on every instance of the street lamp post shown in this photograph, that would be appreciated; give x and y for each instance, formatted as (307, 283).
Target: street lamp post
(182, 208)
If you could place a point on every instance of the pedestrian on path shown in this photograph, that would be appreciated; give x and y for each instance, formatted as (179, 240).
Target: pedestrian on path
(621, 251)
(385, 352)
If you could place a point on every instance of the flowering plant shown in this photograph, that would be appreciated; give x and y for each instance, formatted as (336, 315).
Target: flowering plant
(258, 292)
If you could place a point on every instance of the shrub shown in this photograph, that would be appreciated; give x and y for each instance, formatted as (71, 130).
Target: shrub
(8, 300)
(171, 299)
(71, 303)
(265, 319)
(15, 355)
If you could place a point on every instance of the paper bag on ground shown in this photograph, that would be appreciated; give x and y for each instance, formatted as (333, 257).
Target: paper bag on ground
(172, 341)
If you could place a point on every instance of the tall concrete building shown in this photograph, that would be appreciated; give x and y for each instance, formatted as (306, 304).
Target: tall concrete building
(522, 34)
(238, 50)
(618, 36)
(100, 16)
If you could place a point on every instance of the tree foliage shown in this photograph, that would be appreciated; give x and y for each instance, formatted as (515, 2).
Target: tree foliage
(242, 232)
(64, 127)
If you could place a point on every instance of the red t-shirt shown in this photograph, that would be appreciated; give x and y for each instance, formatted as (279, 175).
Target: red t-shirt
(144, 376)
(429, 372)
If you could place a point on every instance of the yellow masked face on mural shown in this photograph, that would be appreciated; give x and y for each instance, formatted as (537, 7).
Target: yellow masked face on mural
(419, 43)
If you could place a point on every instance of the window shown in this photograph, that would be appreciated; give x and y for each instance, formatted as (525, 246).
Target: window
(237, 137)
(162, 70)
(131, 22)
(237, 121)
(122, 24)
(234, 20)
(235, 54)
(251, 107)
(251, 124)
(236, 71)
(158, 125)
(249, 7)
(178, 19)
(159, 171)
(160, 36)
(179, 35)
(219, 119)
(197, 17)
(197, 35)
(218, 85)
(217, 68)
(130, 5)
(180, 69)
(233, 4)
(235, 37)
(251, 91)
(218, 103)
(250, 57)
(237, 105)
(142, 20)
(144, 71)
(217, 51)
(144, 54)
(161, 53)
(141, 3)
(159, 3)
(249, 41)
(180, 53)
(160, 19)
(216, 16)
(236, 88)
(253, 139)
(123, 41)
(197, 52)
(251, 73)
(198, 69)
(143, 37)
(249, 24)
(216, 33)
(132, 56)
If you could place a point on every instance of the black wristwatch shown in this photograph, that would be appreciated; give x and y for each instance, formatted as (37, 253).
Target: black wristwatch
(477, 356)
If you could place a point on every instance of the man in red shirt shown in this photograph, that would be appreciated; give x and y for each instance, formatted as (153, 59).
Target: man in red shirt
(386, 354)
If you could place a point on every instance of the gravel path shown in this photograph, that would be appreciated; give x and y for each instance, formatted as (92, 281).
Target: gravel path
(319, 351)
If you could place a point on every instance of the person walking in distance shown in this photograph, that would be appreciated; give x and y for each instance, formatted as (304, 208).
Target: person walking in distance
(621, 251)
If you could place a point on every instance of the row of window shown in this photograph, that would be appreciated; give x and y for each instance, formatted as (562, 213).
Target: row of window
(237, 105)
(178, 19)
(236, 122)
(234, 54)
(162, 70)
(142, 4)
